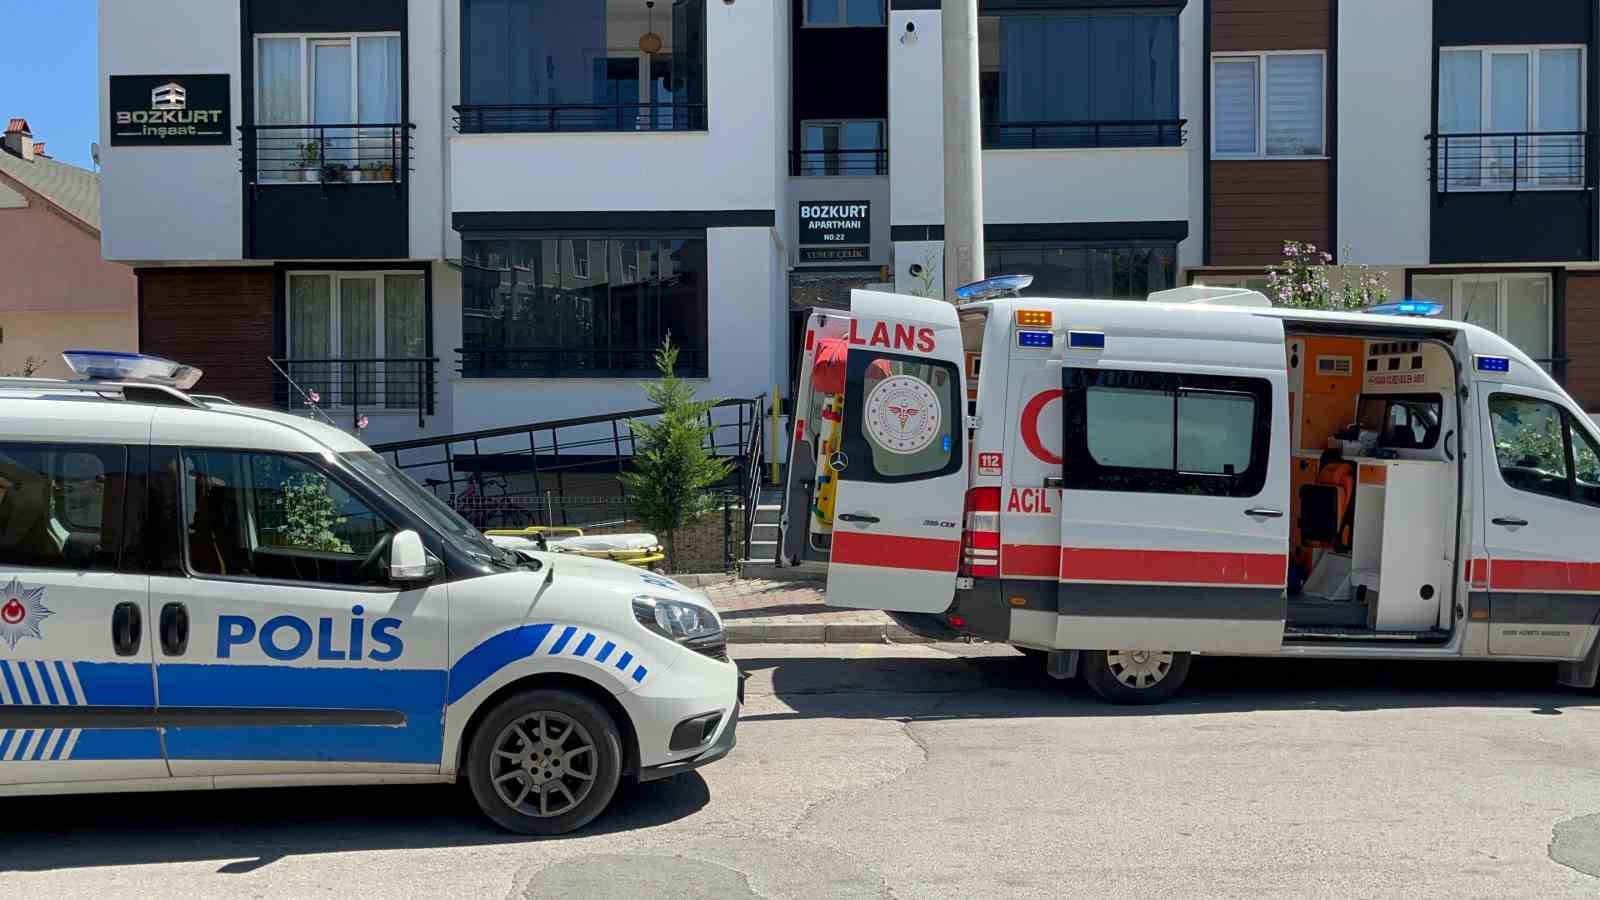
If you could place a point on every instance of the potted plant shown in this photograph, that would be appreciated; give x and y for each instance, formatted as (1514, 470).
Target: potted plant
(335, 172)
(310, 162)
(378, 170)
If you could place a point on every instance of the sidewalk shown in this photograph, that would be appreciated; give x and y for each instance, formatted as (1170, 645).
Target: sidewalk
(791, 611)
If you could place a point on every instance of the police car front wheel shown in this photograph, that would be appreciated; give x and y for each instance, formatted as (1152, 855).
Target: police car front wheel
(545, 762)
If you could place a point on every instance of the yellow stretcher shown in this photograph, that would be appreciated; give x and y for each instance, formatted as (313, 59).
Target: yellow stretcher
(642, 550)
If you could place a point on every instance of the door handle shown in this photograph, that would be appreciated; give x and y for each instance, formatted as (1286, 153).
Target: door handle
(174, 627)
(1510, 521)
(127, 627)
(1261, 512)
(856, 517)
(1448, 453)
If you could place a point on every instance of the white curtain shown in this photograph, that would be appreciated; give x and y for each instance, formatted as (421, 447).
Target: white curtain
(310, 334)
(1508, 111)
(1559, 160)
(1528, 315)
(279, 94)
(403, 338)
(1460, 112)
(358, 338)
(378, 102)
(1294, 105)
(1237, 122)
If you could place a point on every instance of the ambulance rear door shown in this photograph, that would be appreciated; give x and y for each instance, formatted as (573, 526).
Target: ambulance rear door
(902, 462)
(1174, 511)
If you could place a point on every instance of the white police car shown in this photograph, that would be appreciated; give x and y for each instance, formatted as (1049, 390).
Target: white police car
(195, 594)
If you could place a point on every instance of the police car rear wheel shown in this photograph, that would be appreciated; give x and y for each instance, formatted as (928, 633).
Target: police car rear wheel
(1135, 676)
(545, 762)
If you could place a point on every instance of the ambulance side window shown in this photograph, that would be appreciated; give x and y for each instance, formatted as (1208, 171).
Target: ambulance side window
(271, 516)
(1166, 433)
(61, 505)
(1542, 450)
(903, 420)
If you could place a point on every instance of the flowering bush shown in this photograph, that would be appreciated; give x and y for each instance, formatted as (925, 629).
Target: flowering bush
(1306, 280)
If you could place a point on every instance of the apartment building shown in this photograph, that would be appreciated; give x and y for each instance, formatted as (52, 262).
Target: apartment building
(451, 215)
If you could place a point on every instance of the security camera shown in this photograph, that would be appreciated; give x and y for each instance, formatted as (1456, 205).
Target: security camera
(916, 270)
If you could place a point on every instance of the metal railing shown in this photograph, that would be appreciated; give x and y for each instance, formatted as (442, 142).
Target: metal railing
(839, 162)
(326, 154)
(356, 386)
(543, 117)
(1085, 133)
(754, 474)
(1510, 161)
(563, 362)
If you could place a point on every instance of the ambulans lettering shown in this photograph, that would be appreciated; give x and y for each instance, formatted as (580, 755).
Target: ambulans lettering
(1030, 501)
(285, 638)
(897, 337)
(1031, 437)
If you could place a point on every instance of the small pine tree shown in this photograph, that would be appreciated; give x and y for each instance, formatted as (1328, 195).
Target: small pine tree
(672, 472)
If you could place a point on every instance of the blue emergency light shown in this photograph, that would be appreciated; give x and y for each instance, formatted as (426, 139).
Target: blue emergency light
(1493, 363)
(116, 365)
(1087, 340)
(1426, 309)
(1036, 339)
(989, 288)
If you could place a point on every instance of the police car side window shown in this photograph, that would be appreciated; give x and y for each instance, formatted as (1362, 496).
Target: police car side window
(270, 516)
(62, 505)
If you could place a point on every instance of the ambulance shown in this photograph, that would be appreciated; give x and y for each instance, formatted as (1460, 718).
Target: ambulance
(1116, 486)
(196, 594)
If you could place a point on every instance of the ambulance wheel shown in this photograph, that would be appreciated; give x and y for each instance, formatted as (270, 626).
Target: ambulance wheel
(1135, 676)
(545, 762)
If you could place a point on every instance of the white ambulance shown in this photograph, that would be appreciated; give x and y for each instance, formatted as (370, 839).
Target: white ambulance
(195, 594)
(1118, 485)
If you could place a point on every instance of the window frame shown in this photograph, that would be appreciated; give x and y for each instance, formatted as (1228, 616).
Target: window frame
(880, 164)
(126, 555)
(1532, 52)
(1260, 57)
(1081, 472)
(843, 7)
(352, 39)
(995, 248)
(1569, 424)
(380, 349)
(1456, 308)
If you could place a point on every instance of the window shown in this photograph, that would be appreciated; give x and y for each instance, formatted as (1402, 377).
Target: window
(1089, 270)
(347, 85)
(61, 506)
(1158, 432)
(1267, 105)
(269, 516)
(850, 147)
(1516, 306)
(1510, 116)
(1402, 421)
(906, 423)
(357, 338)
(539, 65)
(529, 310)
(1542, 449)
(1072, 78)
(845, 13)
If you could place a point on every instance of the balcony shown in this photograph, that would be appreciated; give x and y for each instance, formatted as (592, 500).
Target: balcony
(568, 362)
(347, 390)
(326, 154)
(1512, 196)
(579, 117)
(1061, 135)
(835, 163)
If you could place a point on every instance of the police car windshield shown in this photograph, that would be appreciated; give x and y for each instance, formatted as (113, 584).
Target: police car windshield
(425, 505)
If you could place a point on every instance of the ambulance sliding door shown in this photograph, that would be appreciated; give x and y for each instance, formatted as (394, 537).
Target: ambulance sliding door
(1174, 525)
(901, 465)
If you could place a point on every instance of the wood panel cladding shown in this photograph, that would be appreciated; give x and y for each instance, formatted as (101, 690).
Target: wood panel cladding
(217, 319)
(1583, 338)
(1249, 25)
(1256, 205)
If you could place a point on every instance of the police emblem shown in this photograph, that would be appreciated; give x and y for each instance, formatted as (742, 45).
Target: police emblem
(21, 610)
(903, 414)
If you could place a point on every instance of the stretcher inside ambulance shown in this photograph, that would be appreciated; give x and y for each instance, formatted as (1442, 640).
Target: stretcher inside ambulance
(1116, 485)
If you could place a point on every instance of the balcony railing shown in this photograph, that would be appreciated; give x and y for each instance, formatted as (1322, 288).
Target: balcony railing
(356, 386)
(550, 362)
(548, 117)
(839, 162)
(1085, 134)
(326, 154)
(1510, 161)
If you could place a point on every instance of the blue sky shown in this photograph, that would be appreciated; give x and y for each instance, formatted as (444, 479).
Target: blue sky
(48, 73)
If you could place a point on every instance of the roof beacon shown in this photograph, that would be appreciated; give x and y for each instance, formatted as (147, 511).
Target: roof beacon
(112, 365)
(1426, 309)
(990, 288)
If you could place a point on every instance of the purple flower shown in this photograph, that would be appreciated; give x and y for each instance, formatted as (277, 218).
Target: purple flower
(313, 397)
(361, 423)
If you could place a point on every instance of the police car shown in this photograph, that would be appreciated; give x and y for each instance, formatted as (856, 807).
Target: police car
(196, 594)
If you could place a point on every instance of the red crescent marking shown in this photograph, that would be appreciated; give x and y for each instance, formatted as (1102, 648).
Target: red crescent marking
(1030, 426)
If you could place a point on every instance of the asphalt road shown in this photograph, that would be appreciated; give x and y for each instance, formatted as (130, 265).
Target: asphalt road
(947, 771)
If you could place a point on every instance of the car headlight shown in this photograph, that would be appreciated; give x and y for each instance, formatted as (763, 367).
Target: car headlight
(676, 619)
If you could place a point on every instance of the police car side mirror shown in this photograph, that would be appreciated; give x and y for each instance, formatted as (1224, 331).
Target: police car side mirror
(408, 559)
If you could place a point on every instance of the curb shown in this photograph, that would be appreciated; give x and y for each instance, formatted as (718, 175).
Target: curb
(701, 581)
(800, 633)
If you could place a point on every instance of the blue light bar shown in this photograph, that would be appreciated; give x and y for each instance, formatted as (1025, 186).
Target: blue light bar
(1037, 339)
(1422, 308)
(116, 365)
(1086, 340)
(1493, 363)
(989, 288)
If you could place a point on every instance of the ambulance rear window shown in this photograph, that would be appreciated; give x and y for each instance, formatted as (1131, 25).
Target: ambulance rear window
(902, 417)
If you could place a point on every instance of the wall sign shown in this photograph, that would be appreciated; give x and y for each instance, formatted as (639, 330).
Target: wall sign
(835, 254)
(170, 111)
(835, 223)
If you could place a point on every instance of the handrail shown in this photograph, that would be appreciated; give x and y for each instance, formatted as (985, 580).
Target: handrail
(1085, 133)
(481, 118)
(326, 153)
(354, 383)
(862, 161)
(1510, 161)
(754, 449)
(487, 433)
